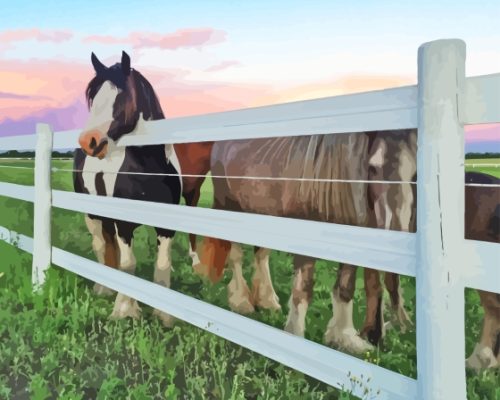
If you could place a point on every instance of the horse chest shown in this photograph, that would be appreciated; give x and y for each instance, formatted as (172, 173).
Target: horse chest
(100, 175)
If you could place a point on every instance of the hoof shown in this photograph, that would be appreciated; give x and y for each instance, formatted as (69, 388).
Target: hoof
(125, 307)
(239, 297)
(101, 290)
(166, 319)
(241, 305)
(346, 339)
(294, 328)
(481, 358)
(400, 317)
(268, 303)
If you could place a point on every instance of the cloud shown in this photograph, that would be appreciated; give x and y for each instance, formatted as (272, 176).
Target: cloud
(222, 66)
(7, 95)
(19, 35)
(29, 87)
(482, 133)
(59, 118)
(182, 38)
(333, 87)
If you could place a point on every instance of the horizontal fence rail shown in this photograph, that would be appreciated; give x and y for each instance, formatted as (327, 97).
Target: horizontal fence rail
(330, 366)
(388, 250)
(394, 251)
(482, 100)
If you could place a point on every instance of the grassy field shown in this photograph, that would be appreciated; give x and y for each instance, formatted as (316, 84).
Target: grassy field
(60, 341)
(495, 171)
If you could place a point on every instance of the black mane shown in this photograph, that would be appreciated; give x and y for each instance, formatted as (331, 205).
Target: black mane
(136, 96)
(147, 101)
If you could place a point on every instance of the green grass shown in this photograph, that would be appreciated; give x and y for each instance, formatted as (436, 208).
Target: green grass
(495, 171)
(61, 341)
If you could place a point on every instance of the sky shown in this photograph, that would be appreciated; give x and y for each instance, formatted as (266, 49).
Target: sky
(208, 56)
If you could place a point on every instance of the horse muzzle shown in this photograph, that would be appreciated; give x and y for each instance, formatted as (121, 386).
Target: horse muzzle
(94, 144)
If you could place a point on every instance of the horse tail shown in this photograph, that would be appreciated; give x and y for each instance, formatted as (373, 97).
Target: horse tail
(213, 258)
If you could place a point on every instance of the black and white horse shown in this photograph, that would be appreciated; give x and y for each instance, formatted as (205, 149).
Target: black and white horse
(118, 96)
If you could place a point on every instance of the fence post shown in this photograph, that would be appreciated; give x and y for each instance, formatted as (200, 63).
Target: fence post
(42, 246)
(440, 221)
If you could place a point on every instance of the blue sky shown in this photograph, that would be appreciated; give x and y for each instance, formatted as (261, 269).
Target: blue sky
(262, 52)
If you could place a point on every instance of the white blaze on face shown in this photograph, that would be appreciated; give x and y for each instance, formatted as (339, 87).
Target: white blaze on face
(101, 111)
(101, 117)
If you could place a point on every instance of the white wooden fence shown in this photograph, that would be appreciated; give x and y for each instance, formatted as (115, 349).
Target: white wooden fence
(437, 255)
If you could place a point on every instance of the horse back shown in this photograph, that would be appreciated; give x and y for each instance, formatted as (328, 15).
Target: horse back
(482, 208)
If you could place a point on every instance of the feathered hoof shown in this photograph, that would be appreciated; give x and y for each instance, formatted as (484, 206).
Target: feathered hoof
(268, 303)
(400, 317)
(481, 358)
(166, 319)
(239, 299)
(101, 290)
(265, 299)
(346, 339)
(125, 307)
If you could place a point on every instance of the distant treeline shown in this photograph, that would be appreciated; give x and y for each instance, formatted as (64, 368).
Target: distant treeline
(31, 154)
(482, 155)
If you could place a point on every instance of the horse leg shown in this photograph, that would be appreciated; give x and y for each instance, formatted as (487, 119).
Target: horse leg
(124, 305)
(486, 353)
(340, 331)
(104, 246)
(392, 285)
(237, 291)
(214, 253)
(163, 268)
(263, 292)
(192, 199)
(373, 328)
(302, 291)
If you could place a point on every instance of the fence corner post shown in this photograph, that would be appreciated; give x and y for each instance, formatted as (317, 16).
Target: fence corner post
(440, 221)
(42, 246)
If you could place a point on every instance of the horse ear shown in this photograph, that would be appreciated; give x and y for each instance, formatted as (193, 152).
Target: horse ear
(98, 66)
(125, 63)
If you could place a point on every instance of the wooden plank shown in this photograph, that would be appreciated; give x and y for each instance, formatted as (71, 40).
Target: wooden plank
(22, 242)
(483, 265)
(42, 206)
(440, 221)
(379, 110)
(482, 100)
(20, 192)
(386, 250)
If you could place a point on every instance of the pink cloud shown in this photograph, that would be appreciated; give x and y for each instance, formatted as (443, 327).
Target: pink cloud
(482, 133)
(30, 87)
(182, 38)
(18, 35)
(223, 65)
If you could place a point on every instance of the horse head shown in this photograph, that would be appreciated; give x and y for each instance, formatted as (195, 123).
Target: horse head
(117, 96)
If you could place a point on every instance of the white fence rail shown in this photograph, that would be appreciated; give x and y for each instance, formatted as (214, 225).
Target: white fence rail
(439, 106)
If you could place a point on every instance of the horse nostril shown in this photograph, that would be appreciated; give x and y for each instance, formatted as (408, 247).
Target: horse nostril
(93, 143)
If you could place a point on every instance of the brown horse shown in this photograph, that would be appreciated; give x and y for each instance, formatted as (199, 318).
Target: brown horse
(482, 222)
(194, 160)
(321, 160)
